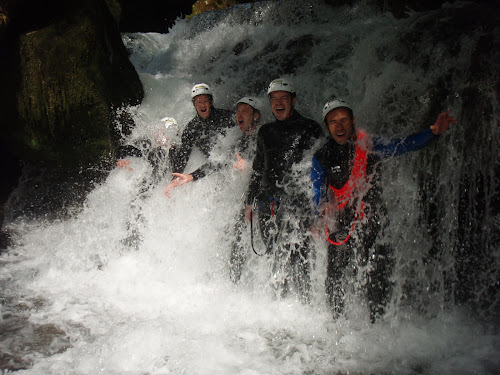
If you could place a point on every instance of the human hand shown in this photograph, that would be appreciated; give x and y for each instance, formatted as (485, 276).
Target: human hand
(124, 164)
(180, 179)
(327, 209)
(241, 163)
(443, 122)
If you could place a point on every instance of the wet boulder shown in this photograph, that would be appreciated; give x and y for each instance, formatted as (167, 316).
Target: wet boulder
(65, 72)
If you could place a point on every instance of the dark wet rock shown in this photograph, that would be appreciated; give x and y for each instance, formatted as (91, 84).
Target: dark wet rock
(64, 73)
(23, 340)
(63, 81)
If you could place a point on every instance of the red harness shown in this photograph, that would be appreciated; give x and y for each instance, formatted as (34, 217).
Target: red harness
(344, 195)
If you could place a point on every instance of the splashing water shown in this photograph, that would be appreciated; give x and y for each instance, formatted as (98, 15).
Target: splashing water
(77, 300)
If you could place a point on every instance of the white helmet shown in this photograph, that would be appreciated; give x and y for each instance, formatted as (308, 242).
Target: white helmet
(169, 122)
(252, 102)
(201, 89)
(280, 84)
(334, 103)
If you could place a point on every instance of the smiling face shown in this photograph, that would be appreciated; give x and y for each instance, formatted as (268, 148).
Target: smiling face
(245, 117)
(202, 104)
(340, 125)
(282, 103)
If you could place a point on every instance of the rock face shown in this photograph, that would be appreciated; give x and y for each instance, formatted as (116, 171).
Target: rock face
(62, 82)
(63, 72)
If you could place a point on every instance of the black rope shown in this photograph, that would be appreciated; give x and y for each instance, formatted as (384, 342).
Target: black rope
(251, 235)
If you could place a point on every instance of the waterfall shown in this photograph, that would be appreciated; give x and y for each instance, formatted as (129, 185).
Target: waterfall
(77, 299)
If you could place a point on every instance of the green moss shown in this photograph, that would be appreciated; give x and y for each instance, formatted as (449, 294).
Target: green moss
(34, 144)
(65, 94)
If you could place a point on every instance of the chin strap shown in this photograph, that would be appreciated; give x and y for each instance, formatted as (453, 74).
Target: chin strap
(272, 204)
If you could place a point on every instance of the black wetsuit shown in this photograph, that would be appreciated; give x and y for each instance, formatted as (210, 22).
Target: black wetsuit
(203, 134)
(337, 161)
(282, 203)
(332, 166)
(157, 157)
(246, 148)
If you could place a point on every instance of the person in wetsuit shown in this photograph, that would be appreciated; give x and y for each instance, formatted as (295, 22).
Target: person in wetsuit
(156, 151)
(202, 132)
(346, 189)
(248, 115)
(283, 214)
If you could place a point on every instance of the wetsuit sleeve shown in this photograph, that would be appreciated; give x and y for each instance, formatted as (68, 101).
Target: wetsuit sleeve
(200, 172)
(318, 179)
(400, 146)
(181, 155)
(205, 170)
(256, 177)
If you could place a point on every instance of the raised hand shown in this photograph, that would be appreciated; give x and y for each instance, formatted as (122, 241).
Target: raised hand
(241, 163)
(122, 163)
(443, 122)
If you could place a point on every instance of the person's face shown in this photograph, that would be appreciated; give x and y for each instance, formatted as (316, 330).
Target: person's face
(282, 104)
(245, 117)
(340, 125)
(161, 138)
(202, 105)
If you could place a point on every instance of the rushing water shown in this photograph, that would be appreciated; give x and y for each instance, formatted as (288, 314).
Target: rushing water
(76, 299)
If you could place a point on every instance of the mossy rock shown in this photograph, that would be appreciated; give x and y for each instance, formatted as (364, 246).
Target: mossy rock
(69, 77)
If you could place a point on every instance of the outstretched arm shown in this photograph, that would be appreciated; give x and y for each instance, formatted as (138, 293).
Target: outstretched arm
(124, 152)
(414, 142)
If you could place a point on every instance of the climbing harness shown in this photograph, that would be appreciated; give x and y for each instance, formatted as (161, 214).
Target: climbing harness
(345, 193)
(353, 226)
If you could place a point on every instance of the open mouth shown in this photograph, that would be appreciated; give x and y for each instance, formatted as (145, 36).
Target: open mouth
(241, 124)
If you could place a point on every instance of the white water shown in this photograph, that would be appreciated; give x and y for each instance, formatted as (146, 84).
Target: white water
(169, 308)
